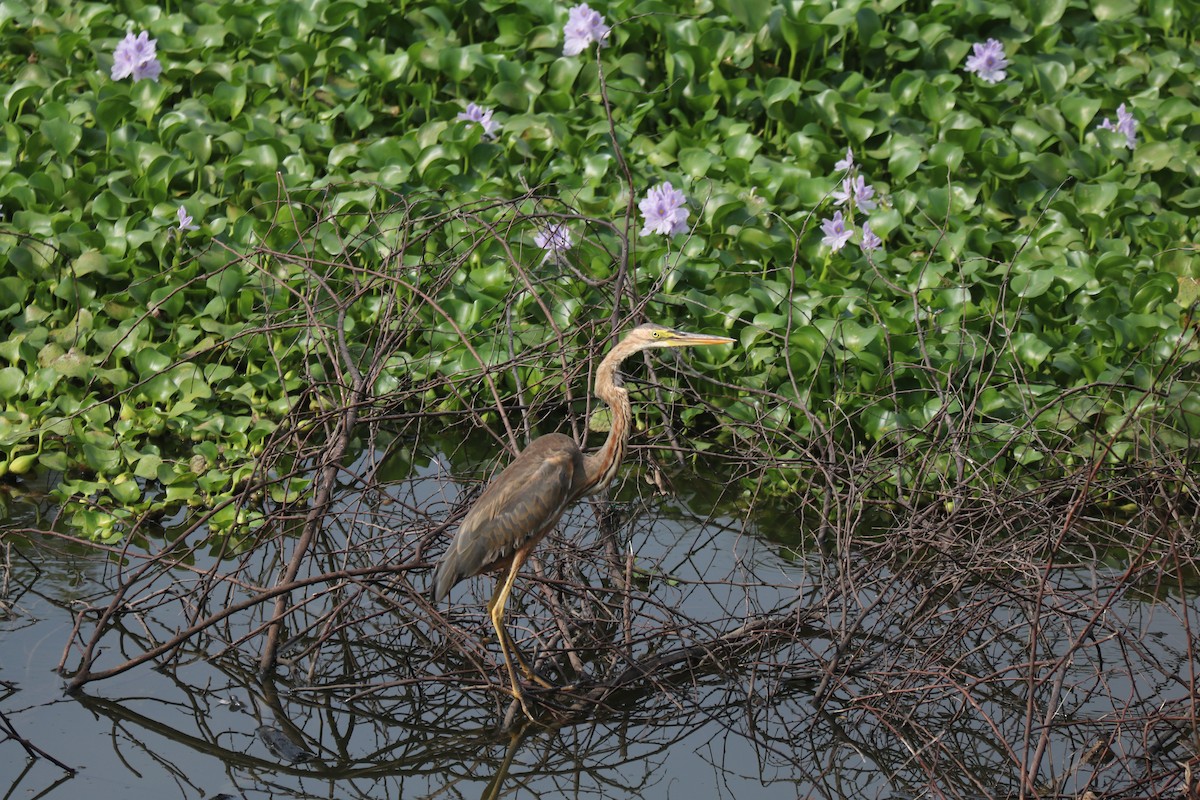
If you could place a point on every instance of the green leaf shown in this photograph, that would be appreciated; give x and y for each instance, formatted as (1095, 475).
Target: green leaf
(752, 14)
(13, 292)
(1079, 110)
(89, 262)
(1045, 13)
(1105, 10)
(1096, 198)
(150, 362)
(11, 382)
(1032, 284)
(63, 136)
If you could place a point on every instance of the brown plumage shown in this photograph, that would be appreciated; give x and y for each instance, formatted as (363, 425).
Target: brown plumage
(526, 500)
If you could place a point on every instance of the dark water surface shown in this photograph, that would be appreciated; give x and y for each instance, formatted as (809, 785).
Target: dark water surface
(867, 703)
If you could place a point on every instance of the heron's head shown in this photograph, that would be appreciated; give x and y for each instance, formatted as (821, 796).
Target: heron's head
(650, 335)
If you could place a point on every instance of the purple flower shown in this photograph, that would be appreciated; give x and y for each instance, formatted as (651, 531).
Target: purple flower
(836, 232)
(136, 56)
(663, 208)
(870, 240)
(185, 220)
(1126, 124)
(856, 188)
(583, 27)
(481, 115)
(147, 69)
(846, 163)
(555, 237)
(988, 61)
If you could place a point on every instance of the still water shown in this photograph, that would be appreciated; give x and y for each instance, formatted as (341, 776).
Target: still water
(718, 653)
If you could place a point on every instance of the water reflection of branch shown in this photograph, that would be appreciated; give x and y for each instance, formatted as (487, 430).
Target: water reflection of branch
(30, 748)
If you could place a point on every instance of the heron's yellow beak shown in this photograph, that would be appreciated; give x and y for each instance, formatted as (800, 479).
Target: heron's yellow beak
(682, 339)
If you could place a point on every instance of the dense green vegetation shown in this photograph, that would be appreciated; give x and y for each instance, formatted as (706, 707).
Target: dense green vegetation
(1028, 300)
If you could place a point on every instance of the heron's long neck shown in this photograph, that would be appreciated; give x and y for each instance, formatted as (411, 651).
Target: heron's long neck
(601, 467)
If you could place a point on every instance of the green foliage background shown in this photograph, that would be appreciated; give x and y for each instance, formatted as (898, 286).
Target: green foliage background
(1029, 309)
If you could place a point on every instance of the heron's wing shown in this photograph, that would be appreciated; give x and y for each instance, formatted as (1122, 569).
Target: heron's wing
(524, 501)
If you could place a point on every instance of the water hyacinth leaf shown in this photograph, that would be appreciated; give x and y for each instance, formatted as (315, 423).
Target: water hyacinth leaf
(13, 292)
(944, 154)
(696, 161)
(71, 289)
(1161, 155)
(108, 205)
(1176, 108)
(869, 24)
(72, 364)
(744, 146)
(150, 362)
(859, 128)
(1029, 134)
(1079, 110)
(12, 381)
(457, 63)
(259, 159)
(295, 20)
(1188, 291)
(937, 203)
(857, 338)
(101, 457)
(1106, 10)
(907, 87)
(1096, 198)
(89, 262)
(358, 117)
(880, 420)
(907, 156)
(63, 136)
(54, 460)
(1153, 292)
(1050, 169)
(1033, 283)
(936, 103)
(228, 100)
(1045, 14)
(1052, 77)
(125, 489)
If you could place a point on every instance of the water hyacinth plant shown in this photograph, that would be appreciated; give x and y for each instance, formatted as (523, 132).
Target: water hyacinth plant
(482, 116)
(988, 61)
(583, 27)
(1126, 124)
(836, 232)
(664, 211)
(870, 240)
(857, 192)
(846, 163)
(186, 222)
(136, 56)
(555, 237)
(731, 100)
(857, 196)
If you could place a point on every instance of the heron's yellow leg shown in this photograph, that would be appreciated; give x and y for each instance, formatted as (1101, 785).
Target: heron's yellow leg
(496, 612)
(528, 670)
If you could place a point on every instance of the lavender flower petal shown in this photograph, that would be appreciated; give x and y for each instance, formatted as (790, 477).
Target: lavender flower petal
(664, 210)
(482, 116)
(555, 237)
(836, 232)
(988, 61)
(583, 27)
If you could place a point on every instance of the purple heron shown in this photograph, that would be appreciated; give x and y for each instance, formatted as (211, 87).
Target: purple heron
(525, 501)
